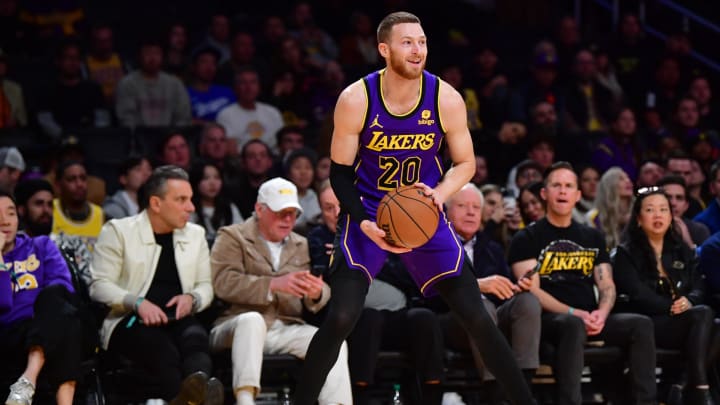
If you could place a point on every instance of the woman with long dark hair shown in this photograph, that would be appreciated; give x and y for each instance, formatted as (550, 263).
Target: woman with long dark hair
(532, 206)
(657, 273)
(212, 209)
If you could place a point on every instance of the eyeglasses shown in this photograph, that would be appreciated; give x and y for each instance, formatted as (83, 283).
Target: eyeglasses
(648, 190)
(287, 212)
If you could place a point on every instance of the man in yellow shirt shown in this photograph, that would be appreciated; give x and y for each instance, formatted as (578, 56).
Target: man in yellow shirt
(76, 221)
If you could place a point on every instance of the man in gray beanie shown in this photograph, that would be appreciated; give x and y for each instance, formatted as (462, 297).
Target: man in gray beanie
(12, 165)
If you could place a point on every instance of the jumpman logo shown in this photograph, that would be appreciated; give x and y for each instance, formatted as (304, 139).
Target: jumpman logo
(375, 122)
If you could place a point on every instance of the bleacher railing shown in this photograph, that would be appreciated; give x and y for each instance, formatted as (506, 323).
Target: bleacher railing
(684, 17)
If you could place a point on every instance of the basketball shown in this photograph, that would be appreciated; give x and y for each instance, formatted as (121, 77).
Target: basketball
(408, 217)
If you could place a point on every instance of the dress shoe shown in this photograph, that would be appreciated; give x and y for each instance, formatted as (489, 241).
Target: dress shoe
(192, 390)
(215, 393)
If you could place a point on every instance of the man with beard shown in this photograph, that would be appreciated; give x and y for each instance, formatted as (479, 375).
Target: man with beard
(372, 154)
(35, 206)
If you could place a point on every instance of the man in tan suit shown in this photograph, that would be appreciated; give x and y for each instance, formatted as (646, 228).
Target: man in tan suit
(261, 268)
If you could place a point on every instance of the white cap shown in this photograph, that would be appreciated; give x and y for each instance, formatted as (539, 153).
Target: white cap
(11, 157)
(278, 194)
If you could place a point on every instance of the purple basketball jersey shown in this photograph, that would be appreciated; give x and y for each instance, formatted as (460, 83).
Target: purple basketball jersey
(396, 151)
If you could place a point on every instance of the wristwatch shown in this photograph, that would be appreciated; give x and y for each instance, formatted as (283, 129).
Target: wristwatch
(194, 301)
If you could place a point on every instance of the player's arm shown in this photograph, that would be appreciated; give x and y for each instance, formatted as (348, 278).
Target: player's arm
(547, 301)
(349, 113)
(453, 114)
(606, 287)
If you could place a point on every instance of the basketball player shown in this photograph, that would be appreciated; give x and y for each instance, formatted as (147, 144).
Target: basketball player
(389, 127)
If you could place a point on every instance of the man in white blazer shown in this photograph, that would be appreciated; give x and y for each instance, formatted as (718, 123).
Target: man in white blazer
(153, 271)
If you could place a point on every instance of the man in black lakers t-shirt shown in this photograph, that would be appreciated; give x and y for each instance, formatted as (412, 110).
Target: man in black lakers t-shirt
(573, 260)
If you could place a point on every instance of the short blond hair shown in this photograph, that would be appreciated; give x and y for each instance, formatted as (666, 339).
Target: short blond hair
(391, 20)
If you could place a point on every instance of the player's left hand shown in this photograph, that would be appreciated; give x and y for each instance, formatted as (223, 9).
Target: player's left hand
(433, 193)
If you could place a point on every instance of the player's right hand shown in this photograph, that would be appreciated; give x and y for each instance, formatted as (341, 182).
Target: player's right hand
(151, 314)
(377, 235)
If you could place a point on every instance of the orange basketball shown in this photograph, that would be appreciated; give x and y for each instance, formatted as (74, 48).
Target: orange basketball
(408, 217)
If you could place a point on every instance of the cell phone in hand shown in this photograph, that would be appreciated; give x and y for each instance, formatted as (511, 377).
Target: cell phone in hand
(532, 271)
(509, 200)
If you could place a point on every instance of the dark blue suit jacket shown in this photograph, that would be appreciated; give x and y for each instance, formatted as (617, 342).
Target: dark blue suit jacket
(710, 216)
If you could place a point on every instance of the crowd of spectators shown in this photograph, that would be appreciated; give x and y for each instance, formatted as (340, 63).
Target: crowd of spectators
(250, 97)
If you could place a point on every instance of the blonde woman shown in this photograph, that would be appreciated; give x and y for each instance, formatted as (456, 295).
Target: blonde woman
(613, 200)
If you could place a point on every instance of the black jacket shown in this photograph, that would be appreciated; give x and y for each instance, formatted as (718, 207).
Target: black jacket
(637, 281)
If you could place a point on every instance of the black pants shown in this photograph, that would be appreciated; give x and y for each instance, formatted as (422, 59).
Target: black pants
(167, 353)
(690, 332)
(415, 331)
(632, 332)
(57, 328)
(462, 296)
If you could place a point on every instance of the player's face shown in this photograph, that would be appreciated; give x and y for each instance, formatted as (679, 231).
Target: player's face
(465, 213)
(561, 193)
(655, 215)
(406, 51)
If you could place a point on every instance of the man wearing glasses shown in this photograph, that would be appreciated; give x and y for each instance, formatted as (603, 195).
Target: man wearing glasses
(565, 261)
(261, 268)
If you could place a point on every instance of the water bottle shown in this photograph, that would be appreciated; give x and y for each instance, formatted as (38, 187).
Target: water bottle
(285, 398)
(396, 400)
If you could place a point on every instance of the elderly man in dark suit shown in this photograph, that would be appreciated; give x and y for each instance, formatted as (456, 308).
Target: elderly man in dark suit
(516, 312)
